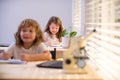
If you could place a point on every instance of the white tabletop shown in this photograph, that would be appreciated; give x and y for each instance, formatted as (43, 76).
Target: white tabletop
(30, 71)
(3, 48)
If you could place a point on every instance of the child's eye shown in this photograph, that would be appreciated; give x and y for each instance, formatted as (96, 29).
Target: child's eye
(24, 30)
(57, 28)
(31, 31)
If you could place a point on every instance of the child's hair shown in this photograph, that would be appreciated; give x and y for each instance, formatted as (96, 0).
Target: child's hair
(57, 21)
(29, 23)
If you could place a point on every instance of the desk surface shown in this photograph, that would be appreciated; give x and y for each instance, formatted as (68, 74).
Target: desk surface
(30, 71)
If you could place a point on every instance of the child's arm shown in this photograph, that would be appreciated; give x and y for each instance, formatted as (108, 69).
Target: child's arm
(46, 55)
(5, 55)
(48, 43)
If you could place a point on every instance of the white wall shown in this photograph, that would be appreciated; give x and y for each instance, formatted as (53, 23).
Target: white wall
(12, 12)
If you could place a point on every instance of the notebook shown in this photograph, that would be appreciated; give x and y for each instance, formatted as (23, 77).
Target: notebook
(51, 64)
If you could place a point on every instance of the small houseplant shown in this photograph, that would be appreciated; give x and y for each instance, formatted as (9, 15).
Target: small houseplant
(66, 35)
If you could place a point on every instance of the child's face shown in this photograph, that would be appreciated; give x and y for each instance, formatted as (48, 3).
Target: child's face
(28, 34)
(54, 28)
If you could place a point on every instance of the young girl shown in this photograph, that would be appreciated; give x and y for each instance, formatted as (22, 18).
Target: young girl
(28, 46)
(53, 31)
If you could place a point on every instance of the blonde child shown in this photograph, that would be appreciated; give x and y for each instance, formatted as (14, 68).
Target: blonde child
(29, 43)
(53, 31)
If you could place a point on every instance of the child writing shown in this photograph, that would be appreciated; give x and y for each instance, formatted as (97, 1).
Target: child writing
(29, 43)
(53, 31)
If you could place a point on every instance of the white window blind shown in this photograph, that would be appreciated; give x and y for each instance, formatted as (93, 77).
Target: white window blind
(103, 47)
(76, 16)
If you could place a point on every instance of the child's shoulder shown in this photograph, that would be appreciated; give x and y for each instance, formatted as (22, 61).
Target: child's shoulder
(46, 34)
(41, 44)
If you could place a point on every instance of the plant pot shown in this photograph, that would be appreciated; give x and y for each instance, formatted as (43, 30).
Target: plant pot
(65, 42)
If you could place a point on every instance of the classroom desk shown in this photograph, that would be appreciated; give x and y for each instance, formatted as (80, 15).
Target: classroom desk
(29, 71)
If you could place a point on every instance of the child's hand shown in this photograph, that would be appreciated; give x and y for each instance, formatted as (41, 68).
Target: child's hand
(48, 43)
(25, 57)
(4, 55)
(1, 51)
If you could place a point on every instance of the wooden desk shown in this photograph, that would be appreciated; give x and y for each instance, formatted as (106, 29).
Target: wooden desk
(29, 71)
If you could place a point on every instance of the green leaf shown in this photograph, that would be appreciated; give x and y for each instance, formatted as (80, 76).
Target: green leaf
(64, 33)
(72, 34)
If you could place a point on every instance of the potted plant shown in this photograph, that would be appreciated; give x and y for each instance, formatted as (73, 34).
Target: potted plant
(66, 35)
